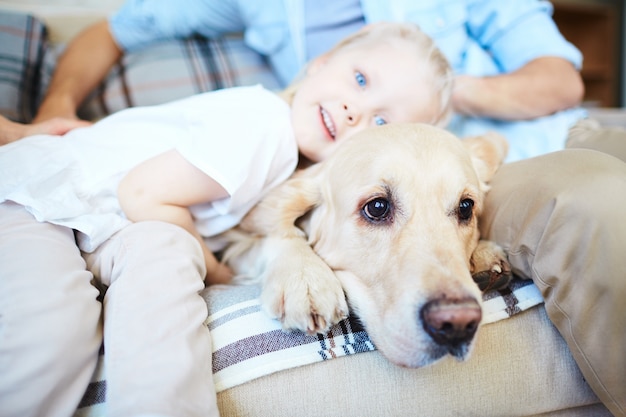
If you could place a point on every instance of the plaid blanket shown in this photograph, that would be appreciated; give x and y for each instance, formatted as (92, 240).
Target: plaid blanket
(247, 344)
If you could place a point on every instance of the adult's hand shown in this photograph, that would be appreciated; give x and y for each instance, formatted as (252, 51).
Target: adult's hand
(11, 131)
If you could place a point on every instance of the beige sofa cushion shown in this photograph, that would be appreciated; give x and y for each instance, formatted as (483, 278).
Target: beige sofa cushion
(520, 367)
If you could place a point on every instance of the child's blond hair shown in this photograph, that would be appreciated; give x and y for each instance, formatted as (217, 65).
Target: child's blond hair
(425, 49)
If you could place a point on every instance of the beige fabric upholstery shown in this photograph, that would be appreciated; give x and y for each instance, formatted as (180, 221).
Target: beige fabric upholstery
(521, 366)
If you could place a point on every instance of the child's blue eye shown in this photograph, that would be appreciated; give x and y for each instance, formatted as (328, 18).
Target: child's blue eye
(379, 121)
(360, 79)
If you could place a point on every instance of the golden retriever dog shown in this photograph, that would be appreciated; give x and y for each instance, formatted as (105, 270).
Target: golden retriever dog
(389, 225)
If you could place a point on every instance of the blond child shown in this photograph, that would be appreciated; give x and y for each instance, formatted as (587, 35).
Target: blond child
(133, 201)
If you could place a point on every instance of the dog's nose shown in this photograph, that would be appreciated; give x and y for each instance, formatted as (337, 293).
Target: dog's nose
(451, 322)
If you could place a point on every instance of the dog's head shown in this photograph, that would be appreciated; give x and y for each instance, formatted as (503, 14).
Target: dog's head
(395, 214)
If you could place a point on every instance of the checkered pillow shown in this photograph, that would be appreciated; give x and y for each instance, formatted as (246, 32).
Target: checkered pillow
(163, 72)
(24, 43)
(175, 69)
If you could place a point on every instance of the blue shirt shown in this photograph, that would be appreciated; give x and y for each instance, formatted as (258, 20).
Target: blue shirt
(326, 22)
(479, 37)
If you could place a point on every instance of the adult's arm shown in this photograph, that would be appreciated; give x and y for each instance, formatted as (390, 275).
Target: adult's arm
(538, 68)
(91, 55)
(541, 87)
(83, 65)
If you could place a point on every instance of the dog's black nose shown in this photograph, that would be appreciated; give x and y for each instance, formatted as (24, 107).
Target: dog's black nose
(451, 322)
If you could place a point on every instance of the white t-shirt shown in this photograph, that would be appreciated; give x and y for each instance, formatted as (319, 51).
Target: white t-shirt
(241, 137)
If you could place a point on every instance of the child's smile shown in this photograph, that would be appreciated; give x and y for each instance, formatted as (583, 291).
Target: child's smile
(328, 123)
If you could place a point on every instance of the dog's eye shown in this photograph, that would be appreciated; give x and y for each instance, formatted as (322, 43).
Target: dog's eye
(466, 207)
(377, 209)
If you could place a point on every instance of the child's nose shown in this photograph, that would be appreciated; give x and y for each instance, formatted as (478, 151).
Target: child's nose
(352, 114)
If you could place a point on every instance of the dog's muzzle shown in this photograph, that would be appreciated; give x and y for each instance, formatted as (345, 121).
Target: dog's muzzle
(451, 323)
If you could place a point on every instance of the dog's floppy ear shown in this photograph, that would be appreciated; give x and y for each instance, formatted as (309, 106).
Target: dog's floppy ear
(277, 212)
(488, 152)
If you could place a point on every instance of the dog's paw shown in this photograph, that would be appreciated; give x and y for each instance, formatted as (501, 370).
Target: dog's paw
(490, 267)
(304, 296)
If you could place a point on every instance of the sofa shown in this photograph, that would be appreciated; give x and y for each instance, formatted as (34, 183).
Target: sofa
(520, 365)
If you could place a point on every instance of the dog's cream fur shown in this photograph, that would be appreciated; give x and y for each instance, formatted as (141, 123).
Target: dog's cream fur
(391, 219)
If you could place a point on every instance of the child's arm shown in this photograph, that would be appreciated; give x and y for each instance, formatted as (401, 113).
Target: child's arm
(163, 188)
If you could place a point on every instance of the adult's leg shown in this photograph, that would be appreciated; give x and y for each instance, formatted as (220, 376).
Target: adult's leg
(157, 347)
(50, 330)
(589, 134)
(560, 217)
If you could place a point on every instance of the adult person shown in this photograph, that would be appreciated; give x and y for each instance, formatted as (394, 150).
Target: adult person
(515, 74)
(513, 63)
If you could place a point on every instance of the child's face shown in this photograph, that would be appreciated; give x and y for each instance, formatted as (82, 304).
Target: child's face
(356, 88)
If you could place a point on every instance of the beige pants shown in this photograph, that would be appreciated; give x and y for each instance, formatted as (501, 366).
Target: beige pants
(158, 352)
(561, 219)
(589, 134)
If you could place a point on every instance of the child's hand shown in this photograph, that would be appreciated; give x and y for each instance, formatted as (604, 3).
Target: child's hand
(220, 274)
